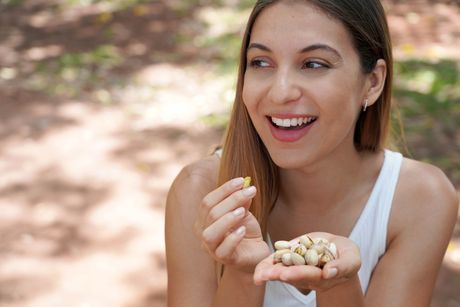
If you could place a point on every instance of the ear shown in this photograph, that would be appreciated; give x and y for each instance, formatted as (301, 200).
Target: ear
(375, 82)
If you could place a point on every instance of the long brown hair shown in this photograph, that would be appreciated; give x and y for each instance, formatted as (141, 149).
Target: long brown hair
(244, 154)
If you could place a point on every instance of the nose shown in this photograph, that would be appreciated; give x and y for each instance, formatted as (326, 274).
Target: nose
(284, 87)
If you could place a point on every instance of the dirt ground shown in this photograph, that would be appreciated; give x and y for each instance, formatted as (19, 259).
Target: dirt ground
(83, 182)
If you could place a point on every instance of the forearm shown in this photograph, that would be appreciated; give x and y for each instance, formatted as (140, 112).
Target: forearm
(347, 294)
(238, 289)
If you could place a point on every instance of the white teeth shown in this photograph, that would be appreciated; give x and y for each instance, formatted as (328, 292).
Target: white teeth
(286, 123)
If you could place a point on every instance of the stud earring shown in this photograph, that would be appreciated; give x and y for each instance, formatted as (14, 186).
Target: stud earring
(365, 105)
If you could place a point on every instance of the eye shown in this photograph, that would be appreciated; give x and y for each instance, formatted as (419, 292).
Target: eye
(314, 65)
(259, 63)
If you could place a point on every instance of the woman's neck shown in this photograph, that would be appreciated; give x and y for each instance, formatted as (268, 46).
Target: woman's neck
(329, 182)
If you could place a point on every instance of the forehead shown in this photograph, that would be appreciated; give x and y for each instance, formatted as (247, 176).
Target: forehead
(295, 24)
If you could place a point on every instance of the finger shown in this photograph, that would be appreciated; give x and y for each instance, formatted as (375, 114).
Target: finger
(213, 198)
(237, 199)
(346, 265)
(300, 274)
(215, 233)
(225, 252)
(218, 195)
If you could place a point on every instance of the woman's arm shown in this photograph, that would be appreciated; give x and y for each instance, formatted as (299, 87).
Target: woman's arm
(192, 278)
(191, 271)
(423, 215)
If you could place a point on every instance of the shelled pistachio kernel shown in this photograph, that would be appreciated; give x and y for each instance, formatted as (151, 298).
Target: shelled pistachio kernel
(247, 182)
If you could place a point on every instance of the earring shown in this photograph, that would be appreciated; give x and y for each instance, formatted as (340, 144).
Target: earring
(365, 105)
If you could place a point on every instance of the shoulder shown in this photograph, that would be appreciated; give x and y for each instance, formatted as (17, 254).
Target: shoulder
(194, 180)
(423, 216)
(199, 177)
(424, 195)
(428, 184)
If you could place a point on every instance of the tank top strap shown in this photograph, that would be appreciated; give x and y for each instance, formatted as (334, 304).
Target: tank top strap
(370, 231)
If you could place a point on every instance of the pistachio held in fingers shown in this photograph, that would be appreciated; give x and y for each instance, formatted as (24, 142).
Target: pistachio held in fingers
(247, 182)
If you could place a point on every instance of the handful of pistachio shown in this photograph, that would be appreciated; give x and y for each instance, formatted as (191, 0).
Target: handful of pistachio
(316, 252)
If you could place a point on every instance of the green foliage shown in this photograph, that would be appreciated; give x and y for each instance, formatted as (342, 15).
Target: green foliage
(428, 96)
(11, 2)
(71, 73)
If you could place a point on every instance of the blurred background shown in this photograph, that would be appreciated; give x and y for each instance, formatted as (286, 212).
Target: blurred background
(103, 102)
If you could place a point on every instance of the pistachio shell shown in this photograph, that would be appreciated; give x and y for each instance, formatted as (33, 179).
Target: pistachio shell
(325, 258)
(299, 249)
(311, 257)
(286, 259)
(279, 253)
(320, 240)
(306, 241)
(319, 247)
(333, 250)
(297, 259)
(282, 245)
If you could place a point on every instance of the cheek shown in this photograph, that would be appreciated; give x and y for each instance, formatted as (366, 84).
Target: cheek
(249, 95)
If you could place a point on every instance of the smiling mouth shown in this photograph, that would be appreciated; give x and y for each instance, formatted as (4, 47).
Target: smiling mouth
(292, 123)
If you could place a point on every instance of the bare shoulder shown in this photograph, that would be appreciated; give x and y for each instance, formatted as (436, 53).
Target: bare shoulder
(197, 178)
(424, 194)
(423, 215)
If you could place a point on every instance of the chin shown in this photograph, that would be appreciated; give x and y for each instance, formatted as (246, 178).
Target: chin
(290, 159)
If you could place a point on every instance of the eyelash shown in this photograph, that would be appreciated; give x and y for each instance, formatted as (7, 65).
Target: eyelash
(257, 63)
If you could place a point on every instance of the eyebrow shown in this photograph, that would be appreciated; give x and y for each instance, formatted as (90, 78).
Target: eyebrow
(303, 50)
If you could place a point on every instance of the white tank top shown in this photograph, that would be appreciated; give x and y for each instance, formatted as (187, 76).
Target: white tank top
(369, 233)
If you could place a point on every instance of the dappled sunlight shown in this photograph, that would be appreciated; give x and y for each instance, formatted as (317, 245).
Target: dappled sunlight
(104, 102)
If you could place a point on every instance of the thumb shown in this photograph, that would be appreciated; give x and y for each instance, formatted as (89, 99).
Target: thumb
(347, 264)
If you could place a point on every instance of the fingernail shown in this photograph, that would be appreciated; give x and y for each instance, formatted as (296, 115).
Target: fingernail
(240, 231)
(330, 273)
(250, 191)
(238, 211)
(236, 182)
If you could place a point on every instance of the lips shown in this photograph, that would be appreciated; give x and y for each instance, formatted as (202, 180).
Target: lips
(289, 128)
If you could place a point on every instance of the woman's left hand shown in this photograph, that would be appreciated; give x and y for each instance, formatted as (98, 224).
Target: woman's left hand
(310, 277)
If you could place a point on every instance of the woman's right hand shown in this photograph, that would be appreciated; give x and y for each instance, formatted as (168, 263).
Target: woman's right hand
(228, 231)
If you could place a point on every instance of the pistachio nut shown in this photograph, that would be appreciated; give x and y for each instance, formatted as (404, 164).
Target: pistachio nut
(282, 245)
(286, 259)
(319, 247)
(247, 182)
(311, 257)
(306, 241)
(325, 258)
(299, 249)
(333, 249)
(297, 259)
(279, 253)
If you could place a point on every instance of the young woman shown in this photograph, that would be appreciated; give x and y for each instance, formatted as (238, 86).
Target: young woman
(309, 125)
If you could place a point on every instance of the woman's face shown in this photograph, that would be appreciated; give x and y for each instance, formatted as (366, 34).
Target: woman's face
(303, 86)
